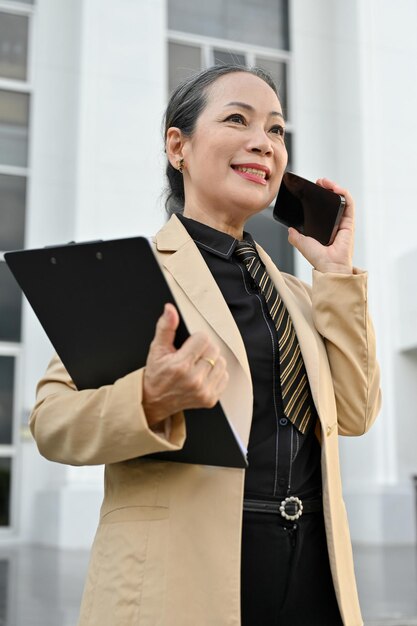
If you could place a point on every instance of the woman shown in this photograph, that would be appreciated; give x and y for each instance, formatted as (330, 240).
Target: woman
(173, 547)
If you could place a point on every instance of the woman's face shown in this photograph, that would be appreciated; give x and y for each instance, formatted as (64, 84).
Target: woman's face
(235, 159)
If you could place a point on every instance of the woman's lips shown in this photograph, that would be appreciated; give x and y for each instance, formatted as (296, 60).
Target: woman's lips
(253, 172)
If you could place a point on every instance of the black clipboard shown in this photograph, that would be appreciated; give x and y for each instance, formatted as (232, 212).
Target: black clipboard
(98, 302)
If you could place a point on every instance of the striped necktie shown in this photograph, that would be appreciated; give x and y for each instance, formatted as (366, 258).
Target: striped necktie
(296, 395)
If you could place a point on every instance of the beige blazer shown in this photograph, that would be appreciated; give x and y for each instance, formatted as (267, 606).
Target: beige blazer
(167, 549)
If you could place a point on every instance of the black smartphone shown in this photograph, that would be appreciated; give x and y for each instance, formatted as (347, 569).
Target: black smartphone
(311, 209)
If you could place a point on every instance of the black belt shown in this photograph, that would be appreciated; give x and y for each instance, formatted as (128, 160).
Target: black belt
(291, 508)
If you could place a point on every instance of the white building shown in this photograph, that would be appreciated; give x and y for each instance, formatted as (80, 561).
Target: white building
(83, 85)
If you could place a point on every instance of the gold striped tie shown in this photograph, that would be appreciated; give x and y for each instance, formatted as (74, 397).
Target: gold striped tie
(296, 395)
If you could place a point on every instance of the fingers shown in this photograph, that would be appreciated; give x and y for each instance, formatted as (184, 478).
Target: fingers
(294, 237)
(166, 327)
(218, 376)
(306, 245)
(329, 184)
(192, 349)
(209, 384)
(197, 345)
(192, 377)
(311, 249)
(211, 367)
(208, 360)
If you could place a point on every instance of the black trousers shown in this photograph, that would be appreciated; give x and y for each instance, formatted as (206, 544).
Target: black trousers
(286, 579)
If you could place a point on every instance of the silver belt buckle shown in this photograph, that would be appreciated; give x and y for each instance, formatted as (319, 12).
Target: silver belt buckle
(293, 504)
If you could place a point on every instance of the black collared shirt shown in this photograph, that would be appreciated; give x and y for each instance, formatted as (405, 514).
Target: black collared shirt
(282, 461)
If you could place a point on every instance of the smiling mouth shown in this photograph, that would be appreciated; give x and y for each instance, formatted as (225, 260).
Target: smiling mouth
(252, 174)
(251, 170)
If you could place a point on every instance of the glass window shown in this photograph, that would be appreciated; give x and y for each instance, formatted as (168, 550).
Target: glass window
(223, 57)
(183, 61)
(6, 399)
(262, 23)
(278, 71)
(13, 45)
(5, 578)
(12, 212)
(14, 118)
(5, 470)
(10, 305)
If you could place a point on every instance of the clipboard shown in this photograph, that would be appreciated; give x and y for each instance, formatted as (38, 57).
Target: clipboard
(98, 302)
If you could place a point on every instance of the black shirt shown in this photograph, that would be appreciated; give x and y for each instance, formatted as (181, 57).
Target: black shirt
(282, 461)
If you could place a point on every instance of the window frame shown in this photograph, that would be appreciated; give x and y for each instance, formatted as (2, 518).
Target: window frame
(15, 349)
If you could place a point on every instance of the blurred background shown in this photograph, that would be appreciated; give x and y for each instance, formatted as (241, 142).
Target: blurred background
(83, 86)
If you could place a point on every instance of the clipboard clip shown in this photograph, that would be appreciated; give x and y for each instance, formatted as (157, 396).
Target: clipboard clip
(74, 243)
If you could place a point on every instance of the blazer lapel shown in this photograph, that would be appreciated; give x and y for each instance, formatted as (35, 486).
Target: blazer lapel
(188, 268)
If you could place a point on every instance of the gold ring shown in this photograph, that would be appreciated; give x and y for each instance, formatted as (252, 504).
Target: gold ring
(211, 361)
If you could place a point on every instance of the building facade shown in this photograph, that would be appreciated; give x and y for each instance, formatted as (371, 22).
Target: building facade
(83, 86)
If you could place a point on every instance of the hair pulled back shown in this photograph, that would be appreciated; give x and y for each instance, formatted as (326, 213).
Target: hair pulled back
(184, 108)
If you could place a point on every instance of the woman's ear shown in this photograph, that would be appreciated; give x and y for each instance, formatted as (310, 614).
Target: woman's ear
(174, 145)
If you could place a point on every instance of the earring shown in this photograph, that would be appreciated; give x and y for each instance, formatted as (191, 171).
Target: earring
(180, 164)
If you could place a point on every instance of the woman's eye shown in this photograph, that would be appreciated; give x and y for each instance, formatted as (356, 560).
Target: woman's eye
(236, 117)
(278, 130)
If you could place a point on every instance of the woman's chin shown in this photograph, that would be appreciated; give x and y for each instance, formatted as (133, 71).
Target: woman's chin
(252, 208)
(239, 215)
(254, 200)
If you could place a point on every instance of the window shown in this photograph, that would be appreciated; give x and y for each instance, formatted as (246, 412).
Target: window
(7, 364)
(186, 60)
(12, 211)
(202, 34)
(15, 90)
(278, 71)
(223, 57)
(14, 120)
(262, 23)
(13, 45)
(6, 399)
(10, 307)
(5, 488)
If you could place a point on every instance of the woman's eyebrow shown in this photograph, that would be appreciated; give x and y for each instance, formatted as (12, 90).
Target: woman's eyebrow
(249, 107)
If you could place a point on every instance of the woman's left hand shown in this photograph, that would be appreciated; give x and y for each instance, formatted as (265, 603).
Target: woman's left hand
(338, 256)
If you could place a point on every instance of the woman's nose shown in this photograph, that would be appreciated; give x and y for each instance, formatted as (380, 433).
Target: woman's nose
(260, 143)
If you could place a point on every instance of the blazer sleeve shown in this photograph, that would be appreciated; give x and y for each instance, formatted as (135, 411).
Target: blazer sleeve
(96, 426)
(340, 314)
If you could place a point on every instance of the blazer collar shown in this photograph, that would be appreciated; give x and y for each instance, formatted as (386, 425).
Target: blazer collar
(171, 236)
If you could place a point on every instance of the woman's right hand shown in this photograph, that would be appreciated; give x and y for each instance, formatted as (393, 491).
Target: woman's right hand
(175, 380)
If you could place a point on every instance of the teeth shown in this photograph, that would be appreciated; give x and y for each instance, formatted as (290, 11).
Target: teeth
(251, 170)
